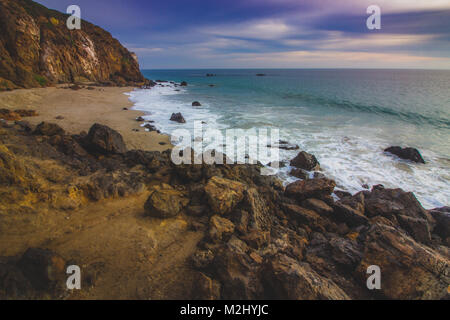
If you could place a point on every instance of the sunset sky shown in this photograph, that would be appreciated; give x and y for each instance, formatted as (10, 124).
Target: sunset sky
(275, 33)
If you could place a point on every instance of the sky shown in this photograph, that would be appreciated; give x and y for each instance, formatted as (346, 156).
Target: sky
(171, 34)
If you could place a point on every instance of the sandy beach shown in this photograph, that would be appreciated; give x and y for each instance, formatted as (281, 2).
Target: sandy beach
(82, 108)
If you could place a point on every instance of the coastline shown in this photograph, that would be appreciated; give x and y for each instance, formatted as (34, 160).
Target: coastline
(141, 227)
(84, 107)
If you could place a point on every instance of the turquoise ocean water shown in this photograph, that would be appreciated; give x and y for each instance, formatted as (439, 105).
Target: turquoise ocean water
(345, 117)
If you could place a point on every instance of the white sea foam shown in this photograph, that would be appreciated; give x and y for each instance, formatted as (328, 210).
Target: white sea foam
(349, 155)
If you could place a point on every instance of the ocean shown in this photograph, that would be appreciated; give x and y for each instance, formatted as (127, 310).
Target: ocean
(345, 117)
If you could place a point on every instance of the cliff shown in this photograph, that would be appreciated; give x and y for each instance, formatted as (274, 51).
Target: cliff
(37, 49)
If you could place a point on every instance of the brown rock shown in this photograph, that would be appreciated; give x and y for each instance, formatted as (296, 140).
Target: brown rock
(305, 160)
(165, 202)
(288, 279)
(299, 173)
(48, 129)
(220, 228)
(315, 188)
(347, 214)
(409, 270)
(26, 113)
(223, 194)
(417, 228)
(318, 206)
(9, 115)
(103, 139)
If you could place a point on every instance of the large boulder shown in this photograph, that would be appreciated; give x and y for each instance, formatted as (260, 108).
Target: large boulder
(286, 278)
(314, 188)
(409, 270)
(305, 160)
(392, 202)
(442, 218)
(349, 215)
(48, 129)
(224, 194)
(165, 202)
(406, 153)
(103, 139)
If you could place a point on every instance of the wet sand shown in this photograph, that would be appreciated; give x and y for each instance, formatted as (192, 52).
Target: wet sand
(82, 108)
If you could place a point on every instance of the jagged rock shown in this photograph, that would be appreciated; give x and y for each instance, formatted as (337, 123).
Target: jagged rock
(305, 160)
(238, 274)
(103, 139)
(409, 270)
(256, 238)
(223, 194)
(417, 228)
(205, 288)
(347, 214)
(196, 104)
(48, 129)
(315, 188)
(177, 117)
(304, 216)
(406, 153)
(165, 202)
(183, 84)
(220, 228)
(318, 206)
(442, 217)
(392, 202)
(140, 119)
(288, 279)
(258, 210)
(43, 268)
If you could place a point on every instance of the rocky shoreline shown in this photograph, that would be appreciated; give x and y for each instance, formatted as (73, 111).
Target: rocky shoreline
(255, 238)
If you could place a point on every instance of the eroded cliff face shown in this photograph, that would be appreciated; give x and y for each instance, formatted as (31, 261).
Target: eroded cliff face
(37, 49)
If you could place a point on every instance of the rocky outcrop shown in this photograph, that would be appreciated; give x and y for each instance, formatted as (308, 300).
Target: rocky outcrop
(103, 139)
(255, 238)
(411, 154)
(177, 117)
(37, 49)
(305, 160)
